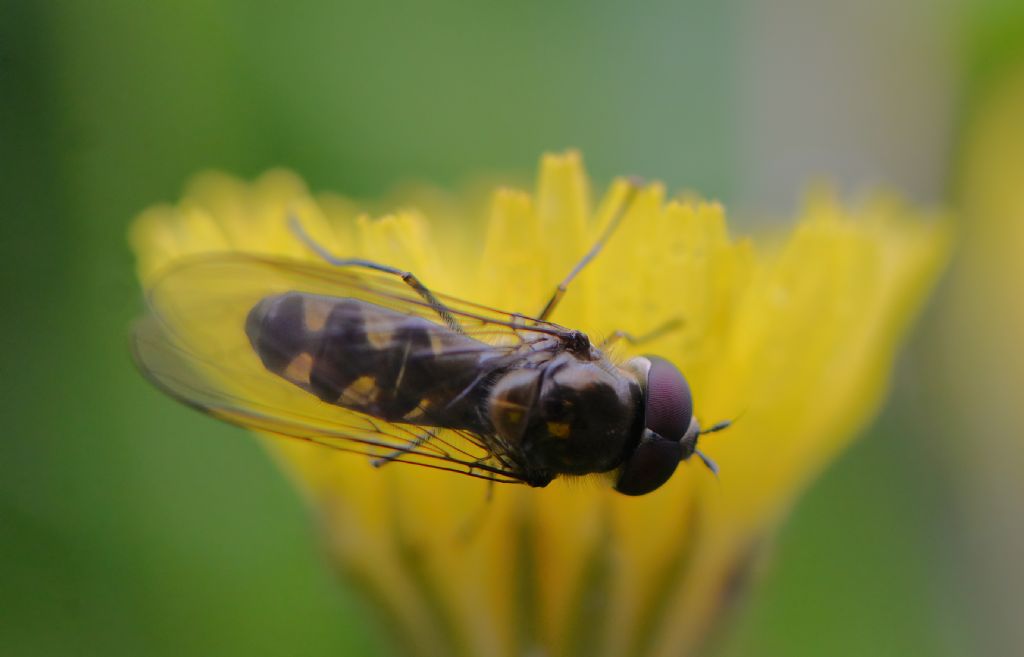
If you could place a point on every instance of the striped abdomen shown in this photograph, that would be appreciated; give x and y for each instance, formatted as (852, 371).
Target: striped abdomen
(370, 359)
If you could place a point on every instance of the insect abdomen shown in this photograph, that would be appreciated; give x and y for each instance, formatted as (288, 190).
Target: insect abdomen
(361, 356)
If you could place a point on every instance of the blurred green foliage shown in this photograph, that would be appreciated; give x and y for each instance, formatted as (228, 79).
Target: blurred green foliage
(129, 525)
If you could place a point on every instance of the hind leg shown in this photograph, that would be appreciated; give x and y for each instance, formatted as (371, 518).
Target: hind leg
(407, 277)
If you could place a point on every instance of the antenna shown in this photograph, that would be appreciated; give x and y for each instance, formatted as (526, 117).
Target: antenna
(708, 463)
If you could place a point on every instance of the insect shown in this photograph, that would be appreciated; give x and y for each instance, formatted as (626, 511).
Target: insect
(361, 357)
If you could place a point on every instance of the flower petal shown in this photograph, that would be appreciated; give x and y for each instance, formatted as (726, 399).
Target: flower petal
(794, 342)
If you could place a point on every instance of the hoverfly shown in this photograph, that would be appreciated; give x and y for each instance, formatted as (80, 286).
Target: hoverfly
(362, 357)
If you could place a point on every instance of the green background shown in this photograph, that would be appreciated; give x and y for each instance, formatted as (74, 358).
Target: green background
(132, 526)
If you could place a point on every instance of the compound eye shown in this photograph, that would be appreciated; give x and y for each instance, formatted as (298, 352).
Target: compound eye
(650, 466)
(669, 402)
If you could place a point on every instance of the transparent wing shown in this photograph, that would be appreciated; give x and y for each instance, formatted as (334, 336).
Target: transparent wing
(193, 345)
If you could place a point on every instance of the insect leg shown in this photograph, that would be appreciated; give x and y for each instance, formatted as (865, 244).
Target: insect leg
(473, 524)
(407, 277)
(634, 187)
(667, 327)
(413, 445)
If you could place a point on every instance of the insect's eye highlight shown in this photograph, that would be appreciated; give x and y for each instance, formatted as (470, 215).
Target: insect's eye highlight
(669, 404)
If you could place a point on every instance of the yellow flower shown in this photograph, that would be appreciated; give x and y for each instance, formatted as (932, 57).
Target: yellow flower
(795, 338)
(981, 330)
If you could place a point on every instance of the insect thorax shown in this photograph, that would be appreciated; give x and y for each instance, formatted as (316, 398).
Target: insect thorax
(569, 415)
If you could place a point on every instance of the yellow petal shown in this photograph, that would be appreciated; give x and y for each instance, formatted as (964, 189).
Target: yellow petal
(793, 338)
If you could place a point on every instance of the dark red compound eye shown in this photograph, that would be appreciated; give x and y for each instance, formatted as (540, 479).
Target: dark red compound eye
(650, 466)
(667, 414)
(669, 402)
